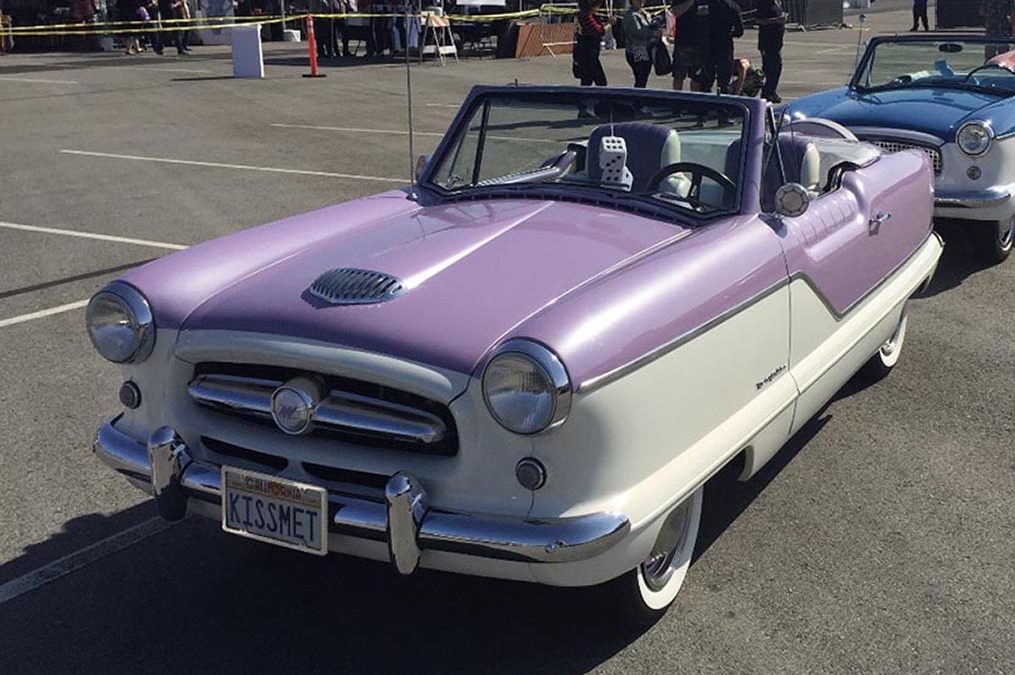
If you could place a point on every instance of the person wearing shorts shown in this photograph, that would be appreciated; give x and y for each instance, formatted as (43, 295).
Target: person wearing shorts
(690, 41)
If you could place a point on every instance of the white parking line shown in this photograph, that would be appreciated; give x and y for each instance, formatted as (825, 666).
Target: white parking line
(165, 70)
(400, 132)
(93, 235)
(353, 130)
(34, 80)
(79, 559)
(42, 313)
(241, 167)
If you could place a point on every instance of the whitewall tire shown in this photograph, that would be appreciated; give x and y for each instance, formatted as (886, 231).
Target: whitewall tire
(997, 240)
(647, 592)
(888, 354)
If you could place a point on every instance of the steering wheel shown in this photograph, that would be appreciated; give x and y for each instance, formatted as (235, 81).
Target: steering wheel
(974, 71)
(697, 171)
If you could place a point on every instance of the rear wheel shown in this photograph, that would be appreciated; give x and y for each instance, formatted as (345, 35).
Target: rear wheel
(644, 594)
(995, 240)
(888, 354)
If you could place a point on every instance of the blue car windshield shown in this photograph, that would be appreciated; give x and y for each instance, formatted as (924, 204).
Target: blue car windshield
(949, 63)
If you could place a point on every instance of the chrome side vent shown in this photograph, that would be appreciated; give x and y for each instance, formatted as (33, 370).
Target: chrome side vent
(349, 286)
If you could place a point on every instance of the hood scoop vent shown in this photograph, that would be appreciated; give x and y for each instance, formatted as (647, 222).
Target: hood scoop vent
(349, 286)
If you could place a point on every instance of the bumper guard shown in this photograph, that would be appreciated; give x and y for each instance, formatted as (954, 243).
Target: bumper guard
(404, 520)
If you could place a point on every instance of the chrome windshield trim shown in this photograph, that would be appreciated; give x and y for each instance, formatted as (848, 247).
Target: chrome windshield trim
(337, 411)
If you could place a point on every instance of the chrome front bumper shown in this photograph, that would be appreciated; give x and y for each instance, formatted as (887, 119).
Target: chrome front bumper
(983, 199)
(166, 468)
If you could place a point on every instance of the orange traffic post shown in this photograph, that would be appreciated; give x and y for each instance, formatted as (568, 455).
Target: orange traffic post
(312, 44)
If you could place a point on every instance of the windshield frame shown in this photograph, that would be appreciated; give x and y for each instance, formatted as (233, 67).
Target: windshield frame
(966, 38)
(643, 204)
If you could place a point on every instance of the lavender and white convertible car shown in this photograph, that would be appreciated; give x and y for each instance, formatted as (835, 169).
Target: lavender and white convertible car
(527, 365)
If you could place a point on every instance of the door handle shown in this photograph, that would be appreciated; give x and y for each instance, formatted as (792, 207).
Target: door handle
(874, 226)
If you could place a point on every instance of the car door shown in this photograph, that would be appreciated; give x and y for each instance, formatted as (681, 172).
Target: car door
(856, 233)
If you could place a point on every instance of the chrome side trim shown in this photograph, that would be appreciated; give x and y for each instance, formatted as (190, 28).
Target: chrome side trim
(980, 199)
(402, 515)
(606, 378)
(337, 411)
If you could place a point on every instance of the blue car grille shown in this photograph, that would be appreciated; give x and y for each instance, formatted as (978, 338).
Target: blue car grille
(893, 145)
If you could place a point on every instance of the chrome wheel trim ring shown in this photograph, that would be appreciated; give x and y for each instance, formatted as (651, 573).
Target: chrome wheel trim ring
(658, 568)
(1005, 237)
(892, 345)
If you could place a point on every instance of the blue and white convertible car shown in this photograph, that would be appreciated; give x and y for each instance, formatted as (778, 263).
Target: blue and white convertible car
(950, 96)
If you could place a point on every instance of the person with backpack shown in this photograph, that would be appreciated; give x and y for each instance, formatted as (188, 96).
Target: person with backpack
(639, 32)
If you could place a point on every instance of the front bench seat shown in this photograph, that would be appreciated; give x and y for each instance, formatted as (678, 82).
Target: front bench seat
(650, 147)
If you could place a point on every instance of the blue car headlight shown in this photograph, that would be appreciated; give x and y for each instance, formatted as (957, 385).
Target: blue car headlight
(120, 323)
(974, 138)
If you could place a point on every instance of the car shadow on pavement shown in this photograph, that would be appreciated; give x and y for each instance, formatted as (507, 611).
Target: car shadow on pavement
(959, 261)
(193, 596)
(726, 497)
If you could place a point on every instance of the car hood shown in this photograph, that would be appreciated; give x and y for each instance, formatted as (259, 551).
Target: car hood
(474, 271)
(938, 112)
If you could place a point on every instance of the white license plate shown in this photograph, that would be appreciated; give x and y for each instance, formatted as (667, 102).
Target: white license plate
(275, 510)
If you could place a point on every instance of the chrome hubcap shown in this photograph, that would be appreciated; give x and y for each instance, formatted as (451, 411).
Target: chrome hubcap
(658, 567)
(893, 342)
(1006, 236)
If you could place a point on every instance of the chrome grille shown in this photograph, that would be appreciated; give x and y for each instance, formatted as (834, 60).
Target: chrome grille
(351, 410)
(895, 145)
(349, 286)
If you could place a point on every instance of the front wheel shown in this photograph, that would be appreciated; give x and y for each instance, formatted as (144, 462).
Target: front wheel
(645, 593)
(995, 240)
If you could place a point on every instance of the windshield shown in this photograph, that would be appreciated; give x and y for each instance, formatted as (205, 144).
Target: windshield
(679, 152)
(939, 63)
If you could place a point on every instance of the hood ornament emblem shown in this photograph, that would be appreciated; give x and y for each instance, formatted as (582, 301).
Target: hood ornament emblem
(350, 286)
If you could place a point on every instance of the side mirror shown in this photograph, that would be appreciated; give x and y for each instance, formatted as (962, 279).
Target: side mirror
(792, 200)
(421, 163)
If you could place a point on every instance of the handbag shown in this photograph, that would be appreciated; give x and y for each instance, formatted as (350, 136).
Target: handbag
(661, 58)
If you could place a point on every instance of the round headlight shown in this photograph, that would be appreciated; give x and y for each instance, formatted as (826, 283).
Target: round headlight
(974, 138)
(120, 323)
(526, 387)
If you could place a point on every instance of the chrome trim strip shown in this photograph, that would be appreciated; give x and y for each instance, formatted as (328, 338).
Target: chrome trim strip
(888, 133)
(337, 411)
(980, 199)
(528, 540)
(606, 378)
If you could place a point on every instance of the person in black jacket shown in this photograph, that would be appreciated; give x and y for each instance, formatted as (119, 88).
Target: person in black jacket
(771, 20)
(723, 24)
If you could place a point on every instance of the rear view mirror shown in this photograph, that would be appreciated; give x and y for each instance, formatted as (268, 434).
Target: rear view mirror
(792, 200)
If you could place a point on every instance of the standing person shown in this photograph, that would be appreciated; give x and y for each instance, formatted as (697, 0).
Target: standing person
(176, 9)
(690, 43)
(589, 33)
(724, 24)
(151, 9)
(324, 31)
(127, 11)
(342, 25)
(920, 14)
(771, 20)
(639, 31)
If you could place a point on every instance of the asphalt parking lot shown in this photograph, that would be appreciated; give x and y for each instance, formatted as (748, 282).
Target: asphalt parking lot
(879, 540)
